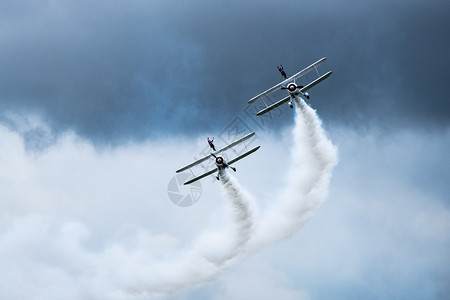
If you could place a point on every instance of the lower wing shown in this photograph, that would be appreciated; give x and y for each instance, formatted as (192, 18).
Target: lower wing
(273, 106)
(313, 83)
(201, 176)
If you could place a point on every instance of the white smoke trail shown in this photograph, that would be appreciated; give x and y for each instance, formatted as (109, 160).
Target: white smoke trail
(313, 158)
(222, 246)
(212, 254)
(238, 230)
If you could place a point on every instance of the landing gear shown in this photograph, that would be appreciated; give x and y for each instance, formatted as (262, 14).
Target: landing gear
(234, 169)
(217, 177)
(290, 104)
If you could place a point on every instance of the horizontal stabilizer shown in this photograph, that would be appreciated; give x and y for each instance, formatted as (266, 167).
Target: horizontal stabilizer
(318, 80)
(273, 106)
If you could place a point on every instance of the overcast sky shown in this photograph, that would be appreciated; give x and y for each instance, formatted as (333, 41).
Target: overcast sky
(115, 70)
(101, 101)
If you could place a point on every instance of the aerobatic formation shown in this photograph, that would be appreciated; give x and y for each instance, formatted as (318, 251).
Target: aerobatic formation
(295, 92)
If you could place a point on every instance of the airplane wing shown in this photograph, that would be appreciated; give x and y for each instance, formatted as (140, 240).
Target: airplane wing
(293, 77)
(303, 89)
(243, 155)
(200, 177)
(215, 169)
(194, 163)
(313, 83)
(273, 106)
(240, 140)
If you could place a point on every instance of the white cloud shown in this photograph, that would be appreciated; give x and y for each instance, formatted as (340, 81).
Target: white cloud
(257, 280)
(76, 221)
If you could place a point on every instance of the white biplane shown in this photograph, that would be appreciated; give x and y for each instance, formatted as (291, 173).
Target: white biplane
(220, 163)
(293, 89)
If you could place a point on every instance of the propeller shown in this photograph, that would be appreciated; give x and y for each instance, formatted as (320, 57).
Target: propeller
(286, 88)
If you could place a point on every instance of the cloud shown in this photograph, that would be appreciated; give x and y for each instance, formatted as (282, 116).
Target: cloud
(257, 280)
(116, 72)
(72, 215)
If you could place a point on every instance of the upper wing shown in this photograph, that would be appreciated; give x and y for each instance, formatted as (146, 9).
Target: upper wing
(293, 77)
(313, 83)
(194, 163)
(246, 137)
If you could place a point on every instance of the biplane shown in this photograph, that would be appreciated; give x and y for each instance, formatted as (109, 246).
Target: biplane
(219, 161)
(293, 89)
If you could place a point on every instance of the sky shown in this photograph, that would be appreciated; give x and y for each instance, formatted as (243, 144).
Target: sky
(101, 101)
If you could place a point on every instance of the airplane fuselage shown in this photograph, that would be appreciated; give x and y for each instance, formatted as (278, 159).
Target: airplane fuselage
(292, 87)
(220, 162)
(221, 166)
(294, 91)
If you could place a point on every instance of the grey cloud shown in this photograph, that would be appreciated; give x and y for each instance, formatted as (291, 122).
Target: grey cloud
(115, 71)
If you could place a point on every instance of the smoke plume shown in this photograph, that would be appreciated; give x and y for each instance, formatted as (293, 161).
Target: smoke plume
(211, 254)
(313, 158)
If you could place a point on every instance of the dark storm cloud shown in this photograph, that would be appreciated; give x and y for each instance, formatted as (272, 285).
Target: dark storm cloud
(130, 70)
(106, 71)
